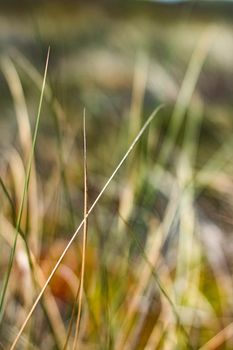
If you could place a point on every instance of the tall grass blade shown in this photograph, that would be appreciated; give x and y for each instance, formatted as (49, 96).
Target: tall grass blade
(25, 189)
(186, 92)
(215, 342)
(135, 141)
(25, 138)
(59, 117)
(158, 282)
(75, 344)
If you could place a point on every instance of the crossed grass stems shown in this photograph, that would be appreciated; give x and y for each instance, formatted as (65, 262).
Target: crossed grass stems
(189, 149)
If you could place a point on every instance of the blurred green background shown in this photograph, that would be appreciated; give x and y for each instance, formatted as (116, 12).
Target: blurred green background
(119, 60)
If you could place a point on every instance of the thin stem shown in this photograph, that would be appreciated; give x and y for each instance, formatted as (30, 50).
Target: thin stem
(135, 141)
(25, 190)
(84, 235)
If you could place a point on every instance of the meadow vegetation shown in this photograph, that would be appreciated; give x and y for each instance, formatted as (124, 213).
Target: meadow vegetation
(116, 185)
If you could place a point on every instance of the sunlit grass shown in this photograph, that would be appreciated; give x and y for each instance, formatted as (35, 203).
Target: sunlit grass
(153, 277)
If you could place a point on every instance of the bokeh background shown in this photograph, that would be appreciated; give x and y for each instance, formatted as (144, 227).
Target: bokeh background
(159, 249)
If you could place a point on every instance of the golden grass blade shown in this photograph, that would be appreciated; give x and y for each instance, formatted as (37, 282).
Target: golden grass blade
(17, 175)
(188, 247)
(161, 287)
(21, 111)
(150, 260)
(59, 116)
(135, 141)
(25, 138)
(25, 191)
(71, 319)
(214, 343)
(75, 344)
(126, 198)
(138, 93)
(79, 293)
(186, 91)
(24, 253)
(49, 304)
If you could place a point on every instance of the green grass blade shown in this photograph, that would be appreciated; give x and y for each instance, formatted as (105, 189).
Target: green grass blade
(127, 153)
(25, 190)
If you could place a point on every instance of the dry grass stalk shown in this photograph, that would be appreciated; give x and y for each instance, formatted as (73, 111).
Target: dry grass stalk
(75, 344)
(135, 141)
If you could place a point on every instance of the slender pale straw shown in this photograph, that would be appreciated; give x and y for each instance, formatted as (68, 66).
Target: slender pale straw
(75, 344)
(147, 123)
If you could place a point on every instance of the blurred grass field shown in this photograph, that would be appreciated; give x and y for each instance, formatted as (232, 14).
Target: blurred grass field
(158, 254)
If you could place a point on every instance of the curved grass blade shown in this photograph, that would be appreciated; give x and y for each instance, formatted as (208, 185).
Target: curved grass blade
(25, 189)
(131, 147)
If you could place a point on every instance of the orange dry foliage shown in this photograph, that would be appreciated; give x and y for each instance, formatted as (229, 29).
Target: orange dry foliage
(65, 282)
